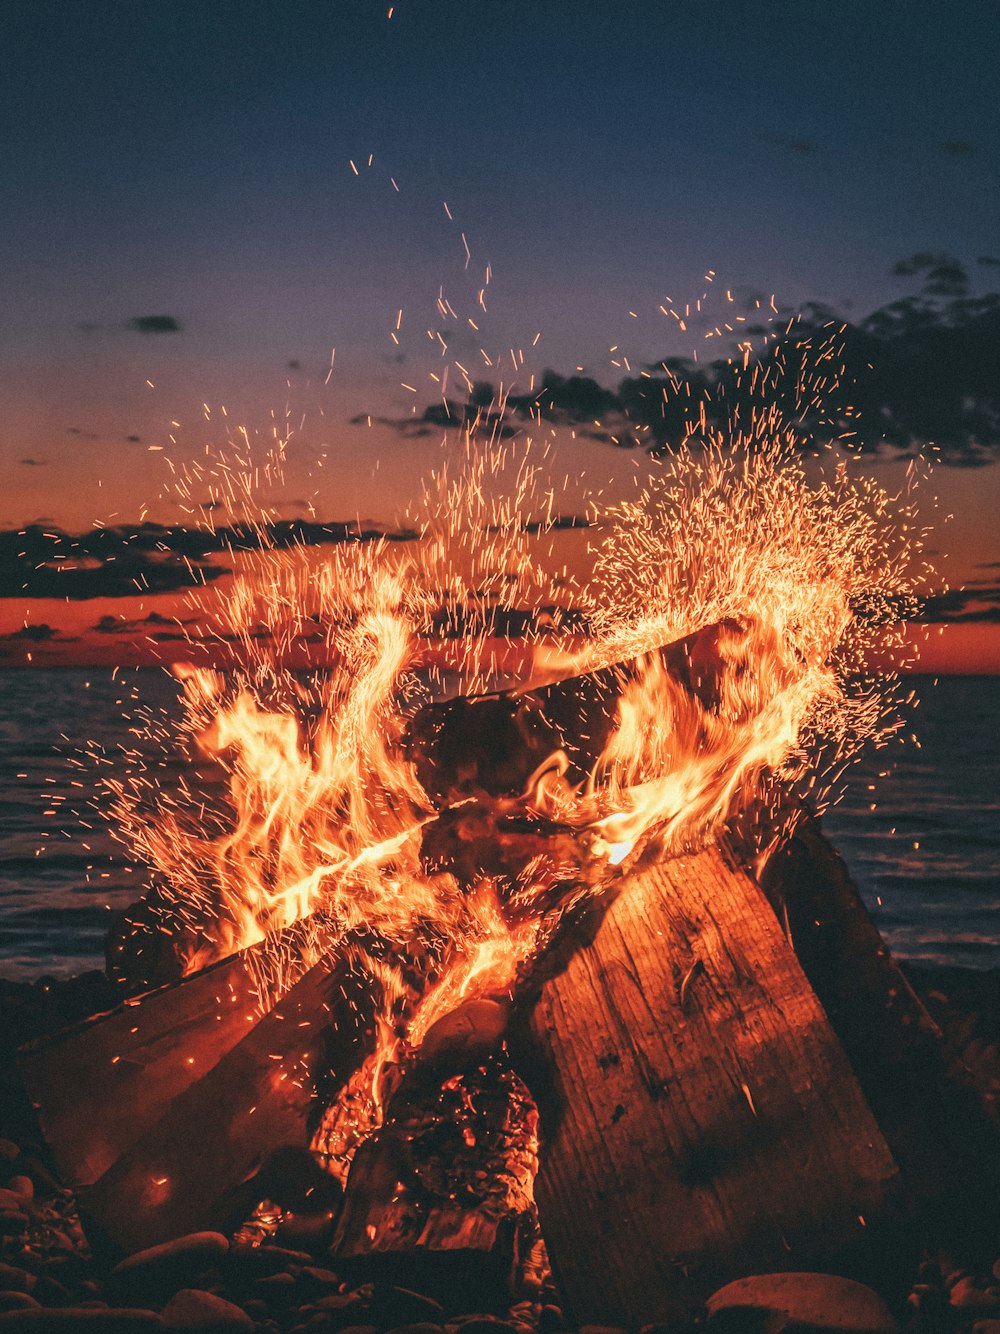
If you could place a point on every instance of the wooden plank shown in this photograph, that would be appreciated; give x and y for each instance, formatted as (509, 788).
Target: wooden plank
(99, 1086)
(187, 1172)
(699, 1119)
(492, 743)
(947, 1143)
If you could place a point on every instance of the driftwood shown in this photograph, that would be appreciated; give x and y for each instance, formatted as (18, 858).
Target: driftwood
(945, 1139)
(699, 1119)
(441, 1196)
(493, 743)
(189, 1170)
(99, 1086)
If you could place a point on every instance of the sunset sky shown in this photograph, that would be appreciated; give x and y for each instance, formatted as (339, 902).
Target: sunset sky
(292, 217)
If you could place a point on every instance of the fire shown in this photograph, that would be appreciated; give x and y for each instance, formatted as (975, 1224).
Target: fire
(303, 805)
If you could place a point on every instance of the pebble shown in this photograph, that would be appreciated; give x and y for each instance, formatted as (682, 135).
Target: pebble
(550, 1320)
(484, 1324)
(465, 1034)
(601, 1329)
(967, 1294)
(418, 1327)
(22, 1186)
(193, 1309)
(18, 1301)
(9, 1151)
(314, 1276)
(14, 1279)
(161, 1270)
(810, 1301)
(114, 1320)
(401, 1306)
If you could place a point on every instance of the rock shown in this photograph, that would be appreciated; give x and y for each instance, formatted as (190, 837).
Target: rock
(467, 1034)
(418, 1327)
(18, 1301)
(967, 1294)
(9, 1152)
(192, 1309)
(313, 1276)
(799, 1301)
(601, 1329)
(346, 1304)
(22, 1186)
(485, 1324)
(161, 1270)
(13, 1279)
(102, 1320)
(276, 1289)
(260, 1261)
(401, 1306)
(550, 1320)
(358, 1329)
(986, 1327)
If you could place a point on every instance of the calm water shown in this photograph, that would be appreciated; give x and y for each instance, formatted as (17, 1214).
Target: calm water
(927, 857)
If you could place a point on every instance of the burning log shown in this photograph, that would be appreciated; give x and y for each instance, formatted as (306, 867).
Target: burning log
(441, 1196)
(493, 744)
(189, 1169)
(699, 1119)
(99, 1086)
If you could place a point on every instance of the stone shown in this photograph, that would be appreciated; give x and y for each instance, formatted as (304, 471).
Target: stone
(18, 1301)
(550, 1319)
(466, 1034)
(401, 1306)
(485, 1324)
(161, 1270)
(418, 1327)
(313, 1276)
(968, 1295)
(14, 1279)
(986, 1327)
(800, 1301)
(601, 1329)
(99, 1320)
(193, 1309)
(22, 1186)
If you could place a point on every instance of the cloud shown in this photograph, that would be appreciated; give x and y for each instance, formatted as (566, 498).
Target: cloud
(34, 634)
(154, 324)
(804, 147)
(964, 605)
(959, 148)
(918, 372)
(40, 562)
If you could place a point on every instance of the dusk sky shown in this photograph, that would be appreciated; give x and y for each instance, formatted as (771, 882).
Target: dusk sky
(202, 201)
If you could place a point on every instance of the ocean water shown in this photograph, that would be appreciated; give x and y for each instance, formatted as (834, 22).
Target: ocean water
(919, 825)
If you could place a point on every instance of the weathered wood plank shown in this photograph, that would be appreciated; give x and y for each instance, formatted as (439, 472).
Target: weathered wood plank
(97, 1087)
(945, 1141)
(186, 1172)
(701, 1121)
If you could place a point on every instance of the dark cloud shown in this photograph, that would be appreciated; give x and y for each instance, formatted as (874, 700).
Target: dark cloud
(959, 148)
(804, 147)
(44, 562)
(921, 371)
(33, 463)
(118, 625)
(154, 324)
(963, 605)
(989, 261)
(34, 634)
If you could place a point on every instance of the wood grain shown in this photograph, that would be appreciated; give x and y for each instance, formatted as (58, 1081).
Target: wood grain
(686, 1143)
